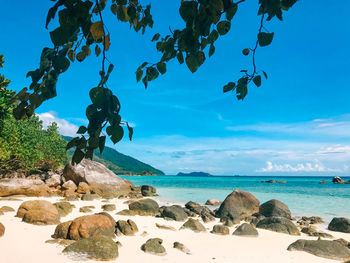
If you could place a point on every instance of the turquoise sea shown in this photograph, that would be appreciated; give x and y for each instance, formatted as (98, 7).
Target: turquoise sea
(303, 195)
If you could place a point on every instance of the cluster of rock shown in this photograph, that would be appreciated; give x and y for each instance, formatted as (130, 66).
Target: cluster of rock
(88, 177)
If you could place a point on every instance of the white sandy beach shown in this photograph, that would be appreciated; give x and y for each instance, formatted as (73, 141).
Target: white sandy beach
(23, 242)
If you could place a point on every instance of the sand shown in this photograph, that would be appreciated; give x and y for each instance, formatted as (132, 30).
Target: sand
(24, 242)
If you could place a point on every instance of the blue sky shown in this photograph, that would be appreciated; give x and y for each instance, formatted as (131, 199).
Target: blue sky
(297, 123)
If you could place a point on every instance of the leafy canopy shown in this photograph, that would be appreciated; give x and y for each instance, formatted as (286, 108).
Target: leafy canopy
(82, 29)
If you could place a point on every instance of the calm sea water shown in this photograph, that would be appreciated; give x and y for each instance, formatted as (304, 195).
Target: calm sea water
(303, 195)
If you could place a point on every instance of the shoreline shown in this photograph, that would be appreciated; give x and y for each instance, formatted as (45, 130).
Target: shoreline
(269, 246)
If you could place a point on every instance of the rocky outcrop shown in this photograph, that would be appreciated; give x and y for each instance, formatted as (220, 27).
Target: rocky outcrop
(144, 207)
(174, 212)
(53, 181)
(154, 246)
(238, 205)
(38, 212)
(64, 208)
(181, 247)
(338, 180)
(127, 228)
(213, 202)
(97, 247)
(87, 226)
(274, 182)
(275, 208)
(83, 188)
(278, 224)
(100, 179)
(22, 186)
(220, 230)
(340, 224)
(194, 225)
(246, 230)
(2, 230)
(322, 248)
(147, 190)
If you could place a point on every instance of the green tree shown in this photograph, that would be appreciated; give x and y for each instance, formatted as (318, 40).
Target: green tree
(24, 145)
(82, 28)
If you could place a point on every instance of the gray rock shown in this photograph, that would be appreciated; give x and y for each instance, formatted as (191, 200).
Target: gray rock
(100, 179)
(206, 217)
(254, 220)
(174, 212)
(213, 202)
(194, 225)
(220, 230)
(85, 209)
(165, 227)
(311, 231)
(340, 224)
(147, 190)
(90, 197)
(154, 246)
(109, 207)
(247, 230)
(64, 208)
(128, 228)
(53, 181)
(97, 247)
(190, 205)
(181, 247)
(278, 224)
(238, 205)
(145, 207)
(275, 208)
(62, 230)
(322, 248)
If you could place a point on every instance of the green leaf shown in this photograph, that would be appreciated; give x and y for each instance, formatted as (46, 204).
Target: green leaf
(180, 57)
(61, 63)
(97, 50)
(139, 73)
(257, 80)
(229, 86)
(191, 63)
(77, 156)
(223, 27)
(101, 143)
(211, 50)
(117, 133)
(64, 34)
(97, 30)
(82, 130)
(264, 74)
(156, 37)
(265, 39)
(131, 131)
(188, 10)
(246, 51)
(213, 36)
(161, 66)
(230, 13)
(72, 143)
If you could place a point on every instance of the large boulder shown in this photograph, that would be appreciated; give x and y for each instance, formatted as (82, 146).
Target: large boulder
(147, 190)
(275, 208)
(38, 212)
(154, 246)
(22, 186)
(2, 230)
(87, 226)
(101, 180)
(97, 247)
(194, 225)
(238, 205)
(144, 207)
(340, 224)
(322, 248)
(278, 224)
(174, 212)
(247, 230)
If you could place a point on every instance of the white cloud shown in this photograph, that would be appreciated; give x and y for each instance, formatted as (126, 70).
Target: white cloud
(300, 167)
(64, 127)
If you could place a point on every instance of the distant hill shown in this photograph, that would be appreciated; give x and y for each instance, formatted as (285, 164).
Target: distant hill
(120, 163)
(197, 174)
